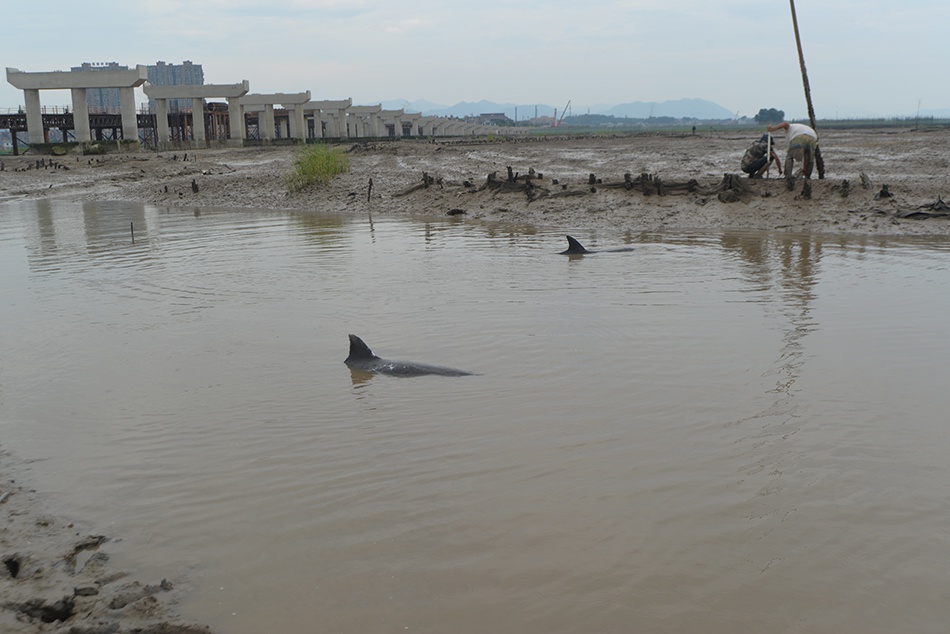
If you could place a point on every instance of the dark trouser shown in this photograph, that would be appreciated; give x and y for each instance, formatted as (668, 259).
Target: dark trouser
(802, 148)
(755, 166)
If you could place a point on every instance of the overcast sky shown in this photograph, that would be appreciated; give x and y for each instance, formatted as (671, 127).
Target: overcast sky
(864, 57)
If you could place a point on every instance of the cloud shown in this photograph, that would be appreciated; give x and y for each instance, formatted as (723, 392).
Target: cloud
(404, 26)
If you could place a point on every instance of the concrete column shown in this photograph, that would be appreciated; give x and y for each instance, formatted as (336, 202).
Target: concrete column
(130, 124)
(408, 119)
(161, 123)
(319, 118)
(421, 126)
(298, 126)
(265, 123)
(198, 120)
(81, 115)
(336, 123)
(236, 121)
(34, 115)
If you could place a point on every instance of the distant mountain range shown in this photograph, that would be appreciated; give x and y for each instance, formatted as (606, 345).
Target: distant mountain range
(678, 108)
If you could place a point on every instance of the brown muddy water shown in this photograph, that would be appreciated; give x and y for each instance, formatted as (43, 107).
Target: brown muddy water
(714, 432)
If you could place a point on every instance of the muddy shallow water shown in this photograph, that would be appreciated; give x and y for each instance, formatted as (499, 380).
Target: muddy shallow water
(716, 431)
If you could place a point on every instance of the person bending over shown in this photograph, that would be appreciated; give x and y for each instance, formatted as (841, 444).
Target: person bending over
(802, 146)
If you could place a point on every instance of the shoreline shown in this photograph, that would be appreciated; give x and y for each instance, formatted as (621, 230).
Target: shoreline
(910, 164)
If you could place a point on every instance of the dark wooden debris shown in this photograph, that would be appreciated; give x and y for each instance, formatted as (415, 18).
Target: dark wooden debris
(427, 181)
(731, 188)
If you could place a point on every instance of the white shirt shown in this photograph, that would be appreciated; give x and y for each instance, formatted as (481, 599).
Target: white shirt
(797, 130)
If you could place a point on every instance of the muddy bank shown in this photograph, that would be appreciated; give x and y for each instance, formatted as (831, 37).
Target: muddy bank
(577, 183)
(57, 577)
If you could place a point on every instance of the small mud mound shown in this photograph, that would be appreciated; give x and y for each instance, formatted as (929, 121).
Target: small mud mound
(47, 612)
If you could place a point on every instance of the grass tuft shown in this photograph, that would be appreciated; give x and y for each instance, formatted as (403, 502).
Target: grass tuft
(317, 164)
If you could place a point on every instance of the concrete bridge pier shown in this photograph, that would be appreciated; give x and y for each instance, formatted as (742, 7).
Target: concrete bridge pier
(408, 123)
(329, 112)
(161, 121)
(266, 121)
(77, 82)
(198, 94)
(34, 117)
(297, 124)
(424, 126)
(198, 121)
(130, 128)
(366, 120)
(235, 122)
(336, 124)
(393, 117)
(81, 127)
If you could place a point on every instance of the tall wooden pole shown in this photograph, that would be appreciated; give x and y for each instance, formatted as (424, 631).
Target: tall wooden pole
(819, 162)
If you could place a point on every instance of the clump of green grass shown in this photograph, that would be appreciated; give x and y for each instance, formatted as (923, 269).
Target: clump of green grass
(317, 164)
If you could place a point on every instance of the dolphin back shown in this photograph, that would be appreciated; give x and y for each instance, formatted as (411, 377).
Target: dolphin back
(362, 358)
(359, 351)
(409, 368)
(574, 247)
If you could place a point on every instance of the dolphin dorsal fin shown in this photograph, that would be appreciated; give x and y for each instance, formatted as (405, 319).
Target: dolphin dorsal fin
(359, 350)
(573, 246)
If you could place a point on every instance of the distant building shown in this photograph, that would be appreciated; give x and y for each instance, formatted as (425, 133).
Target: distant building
(494, 118)
(184, 74)
(101, 100)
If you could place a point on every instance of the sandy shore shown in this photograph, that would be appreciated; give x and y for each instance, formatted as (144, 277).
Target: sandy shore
(57, 578)
(912, 164)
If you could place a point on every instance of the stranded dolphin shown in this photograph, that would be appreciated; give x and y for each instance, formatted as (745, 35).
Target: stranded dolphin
(576, 248)
(362, 358)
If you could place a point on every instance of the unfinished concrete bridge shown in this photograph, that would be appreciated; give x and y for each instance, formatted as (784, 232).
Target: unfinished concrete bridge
(239, 119)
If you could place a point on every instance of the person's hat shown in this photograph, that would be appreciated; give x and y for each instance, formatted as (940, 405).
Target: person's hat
(765, 138)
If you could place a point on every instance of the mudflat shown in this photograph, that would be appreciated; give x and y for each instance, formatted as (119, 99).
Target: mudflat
(57, 577)
(877, 181)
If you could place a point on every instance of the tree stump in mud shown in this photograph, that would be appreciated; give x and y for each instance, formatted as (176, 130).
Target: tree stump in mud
(732, 188)
(646, 184)
(427, 181)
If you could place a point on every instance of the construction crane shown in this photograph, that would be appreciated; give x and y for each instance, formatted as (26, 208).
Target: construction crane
(564, 112)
